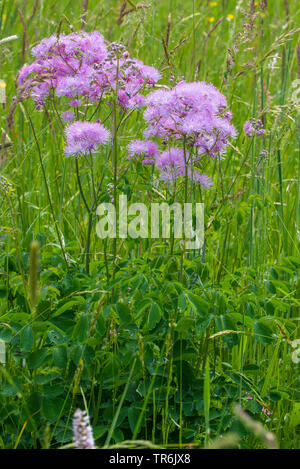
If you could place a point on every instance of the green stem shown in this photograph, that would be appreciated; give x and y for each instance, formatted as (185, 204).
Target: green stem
(47, 189)
(88, 243)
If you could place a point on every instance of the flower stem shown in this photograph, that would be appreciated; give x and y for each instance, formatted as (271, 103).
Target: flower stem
(47, 188)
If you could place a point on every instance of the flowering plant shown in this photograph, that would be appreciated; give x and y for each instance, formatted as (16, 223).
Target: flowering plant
(99, 86)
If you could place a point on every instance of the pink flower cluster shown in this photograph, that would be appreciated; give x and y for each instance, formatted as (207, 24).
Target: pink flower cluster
(81, 66)
(265, 411)
(194, 115)
(85, 137)
(174, 163)
(82, 431)
(254, 127)
(196, 112)
(146, 149)
(85, 69)
(248, 397)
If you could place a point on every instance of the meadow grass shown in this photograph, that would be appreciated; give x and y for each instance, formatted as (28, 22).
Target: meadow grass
(155, 348)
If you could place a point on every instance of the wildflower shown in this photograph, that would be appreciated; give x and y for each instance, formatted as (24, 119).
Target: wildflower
(173, 163)
(123, 98)
(195, 112)
(82, 432)
(254, 127)
(80, 65)
(198, 178)
(87, 46)
(265, 411)
(75, 103)
(68, 116)
(73, 86)
(143, 148)
(211, 19)
(137, 101)
(148, 161)
(85, 137)
(213, 4)
(230, 16)
(172, 160)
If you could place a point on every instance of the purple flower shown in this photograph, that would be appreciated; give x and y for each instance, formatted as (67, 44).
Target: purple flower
(196, 112)
(27, 70)
(63, 62)
(68, 116)
(75, 103)
(80, 65)
(173, 163)
(85, 137)
(73, 86)
(172, 158)
(123, 99)
(148, 161)
(265, 411)
(87, 47)
(198, 178)
(137, 101)
(149, 74)
(254, 127)
(82, 431)
(144, 148)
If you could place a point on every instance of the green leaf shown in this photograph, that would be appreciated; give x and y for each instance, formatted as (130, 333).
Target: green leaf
(51, 408)
(55, 337)
(26, 339)
(3, 292)
(184, 324)
(101, 326)
(133, 415)
(271, 288)
(124, 312)
(225, 323)
(99, 431)
(37, 358)
(81, 329)
(60, 357)
(199, 305)
(69, 306)
(45, 378)
(272, 366)
(154, 316)
(251, 368)
(263, 333)
(6, 334)
(275, 396)
(295, 415)
(12, 388)
(182, 303)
